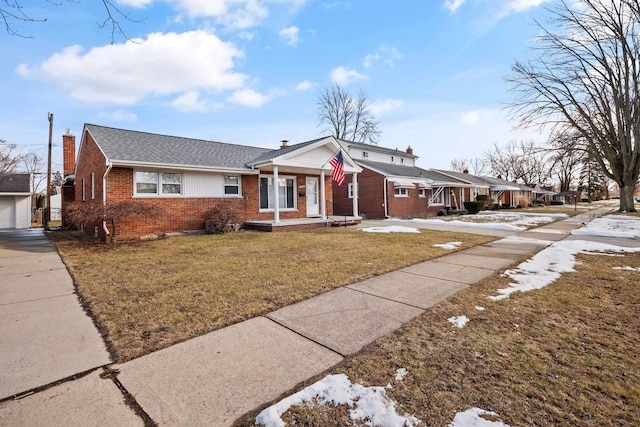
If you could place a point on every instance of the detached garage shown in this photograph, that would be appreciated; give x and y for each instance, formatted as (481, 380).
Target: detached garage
(15, 201)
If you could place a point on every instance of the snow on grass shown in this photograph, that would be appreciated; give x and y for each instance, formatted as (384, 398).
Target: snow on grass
(459, 321)
(448, 246)
(547, 265)
(611, 226)
(472, 418)
(367, 403)
(391, 229)
(400, 374)
(509, 221)
(627, 268)
(479, 308)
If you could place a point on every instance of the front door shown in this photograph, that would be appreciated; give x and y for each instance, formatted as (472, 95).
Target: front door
(313, 207)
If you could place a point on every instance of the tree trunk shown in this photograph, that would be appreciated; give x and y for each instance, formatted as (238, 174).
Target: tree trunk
(626, 198)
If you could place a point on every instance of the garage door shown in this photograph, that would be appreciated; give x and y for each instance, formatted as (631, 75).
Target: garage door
(7, 212)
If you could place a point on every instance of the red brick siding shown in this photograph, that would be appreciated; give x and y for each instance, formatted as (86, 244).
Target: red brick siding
(412, 206)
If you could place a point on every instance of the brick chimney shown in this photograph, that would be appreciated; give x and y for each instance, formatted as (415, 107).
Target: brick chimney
(69, 152)
(409, 150)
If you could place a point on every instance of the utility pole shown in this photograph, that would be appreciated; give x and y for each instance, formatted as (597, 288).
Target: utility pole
(48, 209)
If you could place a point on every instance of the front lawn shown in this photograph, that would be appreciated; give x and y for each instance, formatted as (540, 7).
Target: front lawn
(145, 296)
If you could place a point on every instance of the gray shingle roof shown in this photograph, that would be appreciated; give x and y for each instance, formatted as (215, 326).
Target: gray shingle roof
(394, 170)
(373, 147)
(15, 183)
(134, 146)
(464, 176)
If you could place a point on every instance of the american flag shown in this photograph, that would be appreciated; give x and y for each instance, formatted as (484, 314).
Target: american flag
(337, 163)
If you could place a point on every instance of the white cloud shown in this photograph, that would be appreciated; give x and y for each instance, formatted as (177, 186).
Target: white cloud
(120, 116)
(522, 5)
(345, 76)
(304, 85)
(190, 102)
(382, 106)
(135, 3)
(387, 54)
(248, 98)
(161, 64)
(453, 5)
(234, 14)
(290, 35)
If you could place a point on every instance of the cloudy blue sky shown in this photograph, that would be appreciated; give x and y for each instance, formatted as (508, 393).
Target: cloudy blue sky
(250, 71)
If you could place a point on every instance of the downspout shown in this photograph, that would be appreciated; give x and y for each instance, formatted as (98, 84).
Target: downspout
(104, 196)
(386, 212)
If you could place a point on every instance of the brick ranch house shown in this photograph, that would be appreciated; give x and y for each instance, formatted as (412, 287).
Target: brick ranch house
(185, 177)
(392, 186)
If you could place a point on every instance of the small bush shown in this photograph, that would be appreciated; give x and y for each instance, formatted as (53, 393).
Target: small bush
(474, 207)
(220, 219)
(482, 198)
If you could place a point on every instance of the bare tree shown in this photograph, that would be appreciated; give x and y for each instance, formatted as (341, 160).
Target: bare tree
(347, 117)
(587, 78)
(503, 160)
(567, 157)
(34, 165)
(12, 12)
(9, 159)
(476, 166)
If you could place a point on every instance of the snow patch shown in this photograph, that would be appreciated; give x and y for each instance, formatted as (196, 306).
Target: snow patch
(472, 418)
(391, 229)
(400, 374)
(459, 321)
(368, 403)
(627, 268)
(547, 265)
(611, 226)
(448, 246)
(479, 308)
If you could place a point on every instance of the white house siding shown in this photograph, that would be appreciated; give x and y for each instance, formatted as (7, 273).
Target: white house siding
(202, 184)
(374, 156)
(313, 158)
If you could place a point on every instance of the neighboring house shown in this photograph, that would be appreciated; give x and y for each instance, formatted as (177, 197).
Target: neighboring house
(509, 194)
(15, 201)
(391, 185)
(474, 186)
(269, 189)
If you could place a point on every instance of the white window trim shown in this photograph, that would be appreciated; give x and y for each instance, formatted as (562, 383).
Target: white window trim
(422, 193)
(93, 186)
(83, 193)
(158, 194)
(224, 185)
(350, 192)
(397, 192)
(295, 194)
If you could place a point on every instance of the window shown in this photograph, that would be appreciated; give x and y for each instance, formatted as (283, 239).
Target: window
(158, 183)
(400, 192)
(365, 155)
(93, 186)
(350, 190)
(422, 192)
(393, 159)
(402, 160)
(286, 193)
(231, 185)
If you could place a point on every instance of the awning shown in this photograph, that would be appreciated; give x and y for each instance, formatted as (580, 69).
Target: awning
(403, 183)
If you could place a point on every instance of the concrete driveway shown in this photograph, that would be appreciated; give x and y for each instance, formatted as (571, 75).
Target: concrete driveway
(45, 335)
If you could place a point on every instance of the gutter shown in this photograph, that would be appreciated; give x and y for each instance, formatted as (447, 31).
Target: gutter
(104, 195)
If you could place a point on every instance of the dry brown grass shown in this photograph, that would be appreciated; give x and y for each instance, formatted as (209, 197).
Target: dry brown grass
(566, 355)
(149, 295)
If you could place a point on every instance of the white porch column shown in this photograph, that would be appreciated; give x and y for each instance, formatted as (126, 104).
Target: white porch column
(323, 199)
(276, 197)
(356, 194)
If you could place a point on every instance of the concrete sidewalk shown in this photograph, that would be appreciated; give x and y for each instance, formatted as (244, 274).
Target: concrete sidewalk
(213, 379)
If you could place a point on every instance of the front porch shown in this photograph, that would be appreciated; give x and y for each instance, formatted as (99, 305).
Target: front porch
(299, 224)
